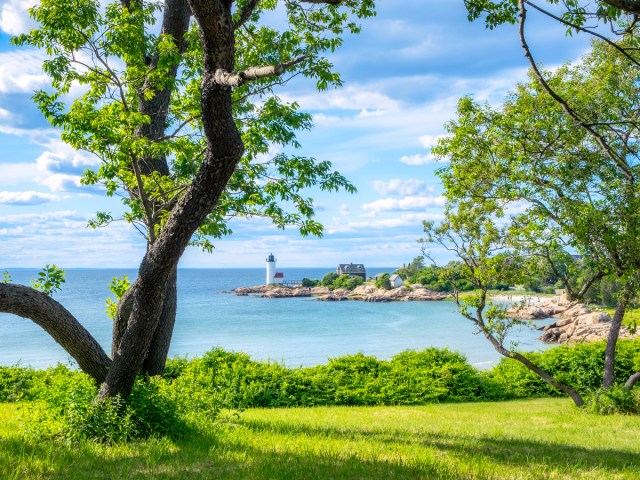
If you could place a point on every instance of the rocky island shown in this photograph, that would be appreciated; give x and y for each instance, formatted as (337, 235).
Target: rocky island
(365, 293)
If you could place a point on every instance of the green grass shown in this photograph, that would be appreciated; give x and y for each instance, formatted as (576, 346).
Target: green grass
(534, 439)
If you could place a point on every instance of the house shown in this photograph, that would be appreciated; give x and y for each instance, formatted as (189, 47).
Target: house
(353, 269)
(396, 281)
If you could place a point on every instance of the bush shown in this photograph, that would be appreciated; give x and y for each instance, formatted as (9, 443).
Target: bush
(328, 279)
(65, 407)
(580, 365)
(616, 400)
(383, 281)
(307, 282)
(348, 282)
(16, 383)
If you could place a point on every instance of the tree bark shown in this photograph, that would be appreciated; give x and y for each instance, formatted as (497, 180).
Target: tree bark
(629, 6)
(159, 349)
(631, 381)
(58, 322)
(224, 150)
(614, 332)
(175, 22)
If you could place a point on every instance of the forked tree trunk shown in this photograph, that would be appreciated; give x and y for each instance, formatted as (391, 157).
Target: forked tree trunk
(224, 150)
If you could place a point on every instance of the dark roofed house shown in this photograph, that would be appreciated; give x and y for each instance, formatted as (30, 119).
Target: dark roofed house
(354, 269)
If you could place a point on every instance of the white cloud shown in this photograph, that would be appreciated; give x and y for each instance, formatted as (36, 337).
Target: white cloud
(418, 159)
(345, 210)
(399, 187)
(62, 166)
(62, 237)
(430, 141)
(26, 198)
(14, 16)
(322, 120)
(406, 203)
(5, 114)
(405, 220)
(21, 72)
(358, 98)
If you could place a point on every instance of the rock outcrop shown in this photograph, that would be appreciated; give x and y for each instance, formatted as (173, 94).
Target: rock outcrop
(365, 293)
(578, 323)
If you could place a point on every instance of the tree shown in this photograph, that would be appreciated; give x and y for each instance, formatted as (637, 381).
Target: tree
(470, 232)
(383, 281)
(179, 120)
(573, 195)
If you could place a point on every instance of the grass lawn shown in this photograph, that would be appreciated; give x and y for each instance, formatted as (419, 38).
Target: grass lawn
(540, 439)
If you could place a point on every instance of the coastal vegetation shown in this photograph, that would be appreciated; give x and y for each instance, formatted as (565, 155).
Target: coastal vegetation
(60, 402)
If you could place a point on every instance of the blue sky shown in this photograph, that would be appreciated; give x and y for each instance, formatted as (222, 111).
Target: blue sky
(402, 78)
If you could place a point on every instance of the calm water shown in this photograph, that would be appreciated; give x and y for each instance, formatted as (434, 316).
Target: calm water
(297, 331)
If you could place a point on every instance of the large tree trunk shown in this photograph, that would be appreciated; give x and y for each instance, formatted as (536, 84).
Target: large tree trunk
(159, 349)
(175, 22)
(614, 332)
(58, 322)
(224, 150)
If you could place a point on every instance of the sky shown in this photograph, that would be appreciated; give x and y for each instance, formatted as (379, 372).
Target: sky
(402, 78)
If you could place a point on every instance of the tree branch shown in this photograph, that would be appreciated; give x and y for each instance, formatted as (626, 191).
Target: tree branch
(245, 14)
(608, 151)
(222, 77)
(585, 30)
(632, 381)
(58, 322)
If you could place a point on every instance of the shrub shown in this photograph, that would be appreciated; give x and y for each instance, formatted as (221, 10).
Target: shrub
(65, 407)
(580, 365)
(328, 279)
(616, 400)
(348, 282)
(383, 281)
(15, 383)
(307, 282)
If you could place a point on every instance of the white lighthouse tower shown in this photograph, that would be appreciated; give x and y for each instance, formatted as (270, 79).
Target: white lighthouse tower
(271, 269)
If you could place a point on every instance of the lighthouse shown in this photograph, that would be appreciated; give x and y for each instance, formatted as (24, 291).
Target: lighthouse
(271, 269)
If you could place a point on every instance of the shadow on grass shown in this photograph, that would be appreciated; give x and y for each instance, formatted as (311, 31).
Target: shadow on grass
(510, 451)
(257, 450)
(201, 457)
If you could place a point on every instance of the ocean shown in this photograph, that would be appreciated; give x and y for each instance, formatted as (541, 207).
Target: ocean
(295, 331)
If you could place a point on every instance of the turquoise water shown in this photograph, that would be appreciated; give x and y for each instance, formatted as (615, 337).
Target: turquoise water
(297, 331)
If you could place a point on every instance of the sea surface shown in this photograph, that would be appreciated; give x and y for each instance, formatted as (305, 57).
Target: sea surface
(296, 331)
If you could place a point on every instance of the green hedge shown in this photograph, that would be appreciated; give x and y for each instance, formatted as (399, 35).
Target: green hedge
(221, 379)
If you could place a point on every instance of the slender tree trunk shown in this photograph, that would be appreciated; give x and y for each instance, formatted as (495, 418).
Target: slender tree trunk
(631, 381)
(567, 389)
(614, 332)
